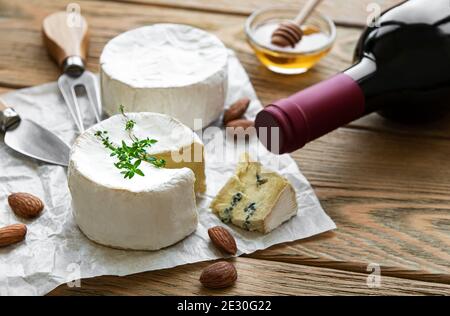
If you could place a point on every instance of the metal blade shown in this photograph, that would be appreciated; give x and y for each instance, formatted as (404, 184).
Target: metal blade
(66, 85)
(33, 140)
(90, 84)
(88, 80)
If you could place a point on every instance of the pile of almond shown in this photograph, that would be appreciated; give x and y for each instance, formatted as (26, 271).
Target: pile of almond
(24, 205)
(221, 274)
(233, 116)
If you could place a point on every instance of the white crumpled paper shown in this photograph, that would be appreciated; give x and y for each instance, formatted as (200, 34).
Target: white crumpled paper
(55, 250)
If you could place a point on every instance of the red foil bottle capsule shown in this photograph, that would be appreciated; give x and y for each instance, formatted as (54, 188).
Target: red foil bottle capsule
(310, 114)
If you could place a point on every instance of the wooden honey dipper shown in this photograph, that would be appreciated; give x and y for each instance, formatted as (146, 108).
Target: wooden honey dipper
(290, 32)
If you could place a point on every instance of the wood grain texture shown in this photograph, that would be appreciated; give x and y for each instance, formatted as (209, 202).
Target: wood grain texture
(391, 207)
(4, 90)
(255, 277)
(385, 185)
(20, 30)
(64, 38)
(342, 11)
(3, 105)
(438, 129)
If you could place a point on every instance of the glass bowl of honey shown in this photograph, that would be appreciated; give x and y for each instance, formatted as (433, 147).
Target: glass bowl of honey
(319, 35)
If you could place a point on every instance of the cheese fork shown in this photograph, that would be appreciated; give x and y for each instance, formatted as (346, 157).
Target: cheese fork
(66, 38)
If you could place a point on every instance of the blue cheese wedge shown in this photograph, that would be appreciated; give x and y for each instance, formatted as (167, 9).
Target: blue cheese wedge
(255, 199)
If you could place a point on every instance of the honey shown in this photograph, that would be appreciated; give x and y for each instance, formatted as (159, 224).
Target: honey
(290, 60)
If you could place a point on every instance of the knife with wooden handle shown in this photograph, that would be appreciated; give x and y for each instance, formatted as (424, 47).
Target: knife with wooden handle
(31, 139)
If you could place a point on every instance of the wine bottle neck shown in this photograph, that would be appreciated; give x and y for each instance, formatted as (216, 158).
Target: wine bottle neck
(362, 71)
(311, 113)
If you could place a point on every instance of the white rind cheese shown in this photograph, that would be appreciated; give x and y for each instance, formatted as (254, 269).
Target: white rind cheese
(173, 69)
(255, 199)
(146, 212)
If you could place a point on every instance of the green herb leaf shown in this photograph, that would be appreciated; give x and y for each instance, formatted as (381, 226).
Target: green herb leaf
(131, 156)
(139, 172)
(129, 125)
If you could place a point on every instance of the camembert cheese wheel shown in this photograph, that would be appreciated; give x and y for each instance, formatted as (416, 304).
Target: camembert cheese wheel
(146, 212)
(173, 69)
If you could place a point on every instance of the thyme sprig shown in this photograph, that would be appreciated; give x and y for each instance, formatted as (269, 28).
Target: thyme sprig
(130, 157)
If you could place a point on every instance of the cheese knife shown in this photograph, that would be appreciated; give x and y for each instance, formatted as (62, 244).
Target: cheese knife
(31, 139)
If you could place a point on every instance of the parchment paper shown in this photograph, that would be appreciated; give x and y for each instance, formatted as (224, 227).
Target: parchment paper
(55, 250)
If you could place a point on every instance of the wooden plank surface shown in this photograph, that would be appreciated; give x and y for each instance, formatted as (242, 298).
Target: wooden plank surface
(4, 90)
(29, 64)
(385, 185)
(255, 277)
(391, 207)
(337, 9)
(20, 32)
(438, 129)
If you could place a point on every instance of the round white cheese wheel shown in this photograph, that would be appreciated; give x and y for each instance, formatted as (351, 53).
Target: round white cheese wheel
(146, 212)
(173, 69)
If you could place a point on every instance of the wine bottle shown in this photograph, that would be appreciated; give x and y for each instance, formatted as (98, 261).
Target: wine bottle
(402, 71)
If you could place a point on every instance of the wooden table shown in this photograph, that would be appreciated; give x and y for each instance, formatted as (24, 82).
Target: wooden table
(387, 187)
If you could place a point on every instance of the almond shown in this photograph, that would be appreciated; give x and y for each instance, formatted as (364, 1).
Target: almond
(236, 110)
(240, 123)
(218, 275)
(25, 205)
(12, 234)
(222, 239)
